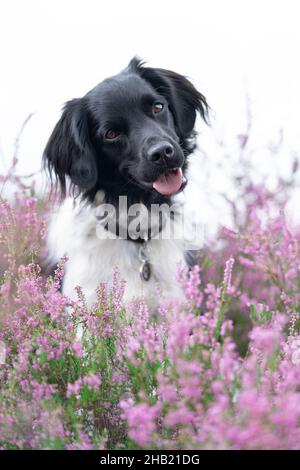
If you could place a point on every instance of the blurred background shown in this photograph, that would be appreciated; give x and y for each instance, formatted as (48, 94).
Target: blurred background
(242, 55)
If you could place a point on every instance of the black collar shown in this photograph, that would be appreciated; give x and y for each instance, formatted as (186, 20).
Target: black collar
(147, 236)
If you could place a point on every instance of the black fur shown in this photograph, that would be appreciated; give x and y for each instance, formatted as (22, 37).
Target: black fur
(79, 152)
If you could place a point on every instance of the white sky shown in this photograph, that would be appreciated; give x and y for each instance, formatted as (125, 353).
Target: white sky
(55, 50)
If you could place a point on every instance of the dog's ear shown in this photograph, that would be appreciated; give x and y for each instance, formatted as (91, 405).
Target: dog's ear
(185, 101)
(183, 98)
(69, 151)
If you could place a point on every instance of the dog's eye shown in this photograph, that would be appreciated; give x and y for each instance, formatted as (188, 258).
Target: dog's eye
(111, 134)
(157, 108)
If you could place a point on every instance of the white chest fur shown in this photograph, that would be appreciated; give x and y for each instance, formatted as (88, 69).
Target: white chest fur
(74, 231)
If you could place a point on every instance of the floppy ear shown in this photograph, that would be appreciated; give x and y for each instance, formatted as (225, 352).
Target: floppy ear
(184, 101)
(183, 98)
(69, 150)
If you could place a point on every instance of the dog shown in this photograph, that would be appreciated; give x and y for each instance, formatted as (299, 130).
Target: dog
(129, 137)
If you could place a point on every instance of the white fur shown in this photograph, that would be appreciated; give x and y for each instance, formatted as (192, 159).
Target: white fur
(72, 232)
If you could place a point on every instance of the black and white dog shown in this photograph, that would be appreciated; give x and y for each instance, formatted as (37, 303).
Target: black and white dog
(128, 137)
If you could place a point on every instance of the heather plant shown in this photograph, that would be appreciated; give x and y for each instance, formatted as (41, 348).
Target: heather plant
(218, 370)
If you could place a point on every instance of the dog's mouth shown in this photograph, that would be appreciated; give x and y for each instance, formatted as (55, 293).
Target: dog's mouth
(169, 182)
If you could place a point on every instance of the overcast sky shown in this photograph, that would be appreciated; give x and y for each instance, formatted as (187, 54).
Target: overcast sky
(55, 50)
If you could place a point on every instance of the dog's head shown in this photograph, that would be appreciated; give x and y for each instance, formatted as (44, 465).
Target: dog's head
(131, 134)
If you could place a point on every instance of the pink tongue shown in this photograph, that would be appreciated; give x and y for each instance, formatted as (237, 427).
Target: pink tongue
(169, 183)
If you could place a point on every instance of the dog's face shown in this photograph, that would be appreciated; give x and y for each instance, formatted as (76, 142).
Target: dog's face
(130, 134)
(135, 132)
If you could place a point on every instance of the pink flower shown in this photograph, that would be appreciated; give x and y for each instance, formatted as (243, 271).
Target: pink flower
(93, 381)
(228, 274)
(77, 348)
(141, 420)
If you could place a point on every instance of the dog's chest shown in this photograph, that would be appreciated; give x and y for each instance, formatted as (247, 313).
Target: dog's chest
(92, 259)
(95, 264)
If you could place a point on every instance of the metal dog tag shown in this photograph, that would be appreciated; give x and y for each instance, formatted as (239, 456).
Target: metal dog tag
(145, 271)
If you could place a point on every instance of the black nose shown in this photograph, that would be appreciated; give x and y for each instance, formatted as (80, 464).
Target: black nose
(160, 152)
